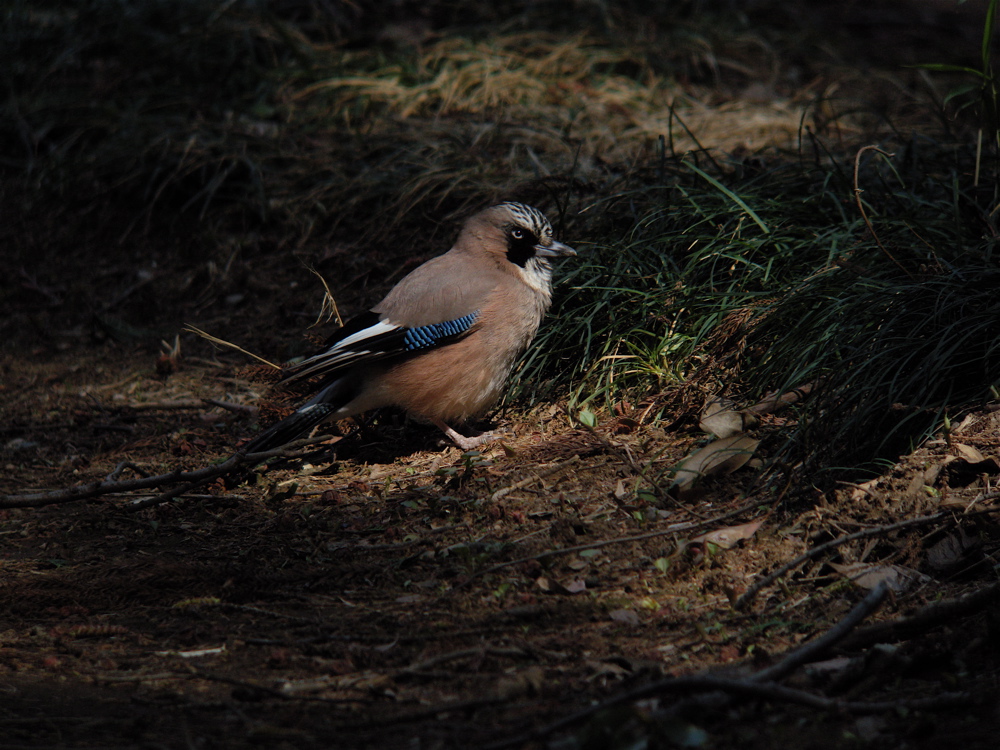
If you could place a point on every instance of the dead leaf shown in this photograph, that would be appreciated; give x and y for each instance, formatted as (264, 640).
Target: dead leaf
(626, 616)
(606, 668)
(868, 576)
(409, 599)
(962, 472)
(837, 664)
(965, 424)
(550, 586)
(915, 486)
(864, 489)
(728, 537)
(723, 456)
(623, 426)
(721, 418)
(932, 473)
(970, 454)
(620, 490)
(526, 682)
(954, 552)
(775, 402)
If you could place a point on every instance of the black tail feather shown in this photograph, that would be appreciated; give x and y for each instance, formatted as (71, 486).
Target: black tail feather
(288, 429)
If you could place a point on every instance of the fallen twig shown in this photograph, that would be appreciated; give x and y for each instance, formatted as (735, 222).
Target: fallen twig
(272, 692)
(924, 618)
(776, 402)
(760, 686)
(222, 342)
(465, 653)
(190, 479)
(167, 404)
(812, 650)
(148, 502)
(770, 578)
(113, 476)
(534, 477)
(743, 688)
(608, 542)
(230, 406)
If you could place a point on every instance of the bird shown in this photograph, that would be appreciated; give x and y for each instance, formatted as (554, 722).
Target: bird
(443, 342)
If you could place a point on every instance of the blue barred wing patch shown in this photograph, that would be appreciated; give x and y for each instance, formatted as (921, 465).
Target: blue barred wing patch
(431, 335)
(368, 338)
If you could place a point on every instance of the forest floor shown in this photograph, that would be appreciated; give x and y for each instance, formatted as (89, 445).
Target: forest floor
(384, 590)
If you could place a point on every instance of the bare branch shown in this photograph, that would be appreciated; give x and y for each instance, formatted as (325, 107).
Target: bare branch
(776, 402)
(812, 650)
(673, 529)
(112, 485)
(230, 406)
(760, 686)
(936, 613)
(748, 689)
(767, 580)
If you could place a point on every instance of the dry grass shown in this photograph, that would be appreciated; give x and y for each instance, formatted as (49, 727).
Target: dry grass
(573, 89)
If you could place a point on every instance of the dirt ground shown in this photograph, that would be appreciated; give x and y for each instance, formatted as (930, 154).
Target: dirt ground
(387, 591)
(407, 596)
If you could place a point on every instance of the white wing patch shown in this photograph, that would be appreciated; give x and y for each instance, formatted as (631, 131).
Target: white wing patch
(383, 326)
(342, 353)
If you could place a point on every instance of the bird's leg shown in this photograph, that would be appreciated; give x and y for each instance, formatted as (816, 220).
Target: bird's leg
(463, 442)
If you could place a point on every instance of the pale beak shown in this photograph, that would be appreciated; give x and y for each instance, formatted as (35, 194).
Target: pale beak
(555, 250)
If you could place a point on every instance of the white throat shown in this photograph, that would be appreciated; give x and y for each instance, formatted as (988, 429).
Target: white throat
(537, 274)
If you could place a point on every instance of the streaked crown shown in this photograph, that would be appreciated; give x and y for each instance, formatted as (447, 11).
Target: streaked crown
(531, 219)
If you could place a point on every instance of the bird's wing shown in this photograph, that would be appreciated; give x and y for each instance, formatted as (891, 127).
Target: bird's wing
(444, 288)
(436, 304)
(371, 337)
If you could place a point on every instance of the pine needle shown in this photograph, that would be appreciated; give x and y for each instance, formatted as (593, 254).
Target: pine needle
(221, 342)
(329, 308)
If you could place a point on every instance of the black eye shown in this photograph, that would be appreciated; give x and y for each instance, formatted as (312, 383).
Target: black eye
(517, 233)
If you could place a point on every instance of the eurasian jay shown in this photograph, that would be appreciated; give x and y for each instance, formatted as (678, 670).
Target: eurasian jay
(444, 340)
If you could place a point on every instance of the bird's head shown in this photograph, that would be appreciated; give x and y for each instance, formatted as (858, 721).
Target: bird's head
(521, 236)
(528, 234)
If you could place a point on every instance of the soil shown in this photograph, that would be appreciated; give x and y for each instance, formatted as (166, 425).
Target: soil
(403, 594)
